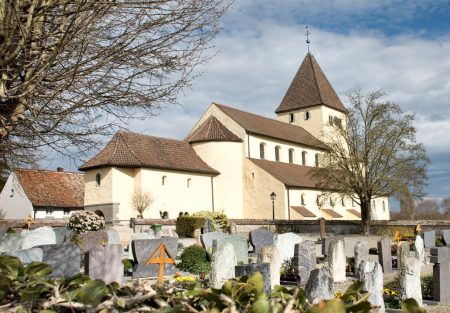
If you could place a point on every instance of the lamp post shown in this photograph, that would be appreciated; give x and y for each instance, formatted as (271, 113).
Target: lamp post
(273, 196)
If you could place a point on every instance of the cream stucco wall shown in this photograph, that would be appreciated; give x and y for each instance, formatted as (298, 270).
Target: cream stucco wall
(227, 158)
(313, 125)
(123, 190)
(94, 194)
(13, 200)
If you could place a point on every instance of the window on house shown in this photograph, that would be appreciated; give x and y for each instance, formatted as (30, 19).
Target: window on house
(66, 211)
(304, 158)
(277, 153)
(49, 212)
(164, 180)
(330, 119)
(291, 118)
(12, 193)
(317, 159)
(98, 179)
(337, 121)
(189, 182)
(373, 205)
(302, 199)
(291, 155)
(332, 203)
(261, 150)
(343, 201)
(384, 206)
(353, 203)
(318, 200)
(306, 115)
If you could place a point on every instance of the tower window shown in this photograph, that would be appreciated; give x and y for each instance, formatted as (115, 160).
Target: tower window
(384, 207)
(164, 180)
(306, 115)
(261, 150)
(189, 182)
(330, 119)
(277, 153)
(98, 179)
(291, 118)
(304, 158)
(291, 155)
(302, 199)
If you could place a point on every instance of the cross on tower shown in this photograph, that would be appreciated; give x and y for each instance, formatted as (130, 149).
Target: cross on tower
(307, 37)
(161, 259)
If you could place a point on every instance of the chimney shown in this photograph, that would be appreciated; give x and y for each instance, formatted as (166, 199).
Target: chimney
(60, 169)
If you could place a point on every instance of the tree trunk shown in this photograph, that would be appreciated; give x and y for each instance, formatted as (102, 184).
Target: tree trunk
(366, 217)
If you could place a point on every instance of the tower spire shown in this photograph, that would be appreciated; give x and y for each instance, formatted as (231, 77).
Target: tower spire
(307, 37)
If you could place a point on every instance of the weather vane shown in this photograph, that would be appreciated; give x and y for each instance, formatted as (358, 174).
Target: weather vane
(307, 37)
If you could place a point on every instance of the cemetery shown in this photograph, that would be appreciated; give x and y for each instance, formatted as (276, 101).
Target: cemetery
(92, 267)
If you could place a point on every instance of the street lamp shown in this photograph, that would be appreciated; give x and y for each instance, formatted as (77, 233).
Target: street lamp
(273, 196)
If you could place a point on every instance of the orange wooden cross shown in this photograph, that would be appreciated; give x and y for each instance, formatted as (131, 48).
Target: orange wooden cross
(397, 236)
(419, 229)
(161, 259)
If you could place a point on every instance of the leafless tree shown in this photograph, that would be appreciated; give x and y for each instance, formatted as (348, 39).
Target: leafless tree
(428, 209)
(141, 201)
(407, 202)
(72, 70)
(374, 153)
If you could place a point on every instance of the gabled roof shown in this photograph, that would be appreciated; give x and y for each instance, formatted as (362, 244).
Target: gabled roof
(52, 189)
(127, 149)
(292, 175)
(212, 130)
(303, 211)
(310, 87)
(264, 126)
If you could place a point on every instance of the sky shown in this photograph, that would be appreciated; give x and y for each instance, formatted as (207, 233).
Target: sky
(399, 46)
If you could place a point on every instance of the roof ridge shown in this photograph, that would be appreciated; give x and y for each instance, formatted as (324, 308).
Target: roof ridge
(216, 121)
(150, 136)
(45, 170)
(315, 77)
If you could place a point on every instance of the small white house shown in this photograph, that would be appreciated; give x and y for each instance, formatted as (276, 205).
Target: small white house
(42, 194)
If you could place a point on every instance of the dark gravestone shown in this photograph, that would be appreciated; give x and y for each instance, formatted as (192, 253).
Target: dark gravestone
(327, 241)
(144, 248)
(208, 226)
(105, 263)
(63, 258)
(261, 237)
(240, 246)
(440, 256)
(304, 259)
(446, 236)
(92, 239)
(207, 239)
(429, 239)
(249, 269)
(385, 254)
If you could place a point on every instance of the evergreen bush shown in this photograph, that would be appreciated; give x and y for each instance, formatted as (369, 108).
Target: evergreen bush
(194, 259)
(186, 225)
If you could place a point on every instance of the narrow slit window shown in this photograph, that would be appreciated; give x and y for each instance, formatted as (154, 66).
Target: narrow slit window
(98, 179)
(261, 150)
(291, 155)
(277, 153)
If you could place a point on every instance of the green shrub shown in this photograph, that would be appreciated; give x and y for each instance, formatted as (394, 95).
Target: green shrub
(186, 225)
(194, 259)
(287, 271)
(220, 220)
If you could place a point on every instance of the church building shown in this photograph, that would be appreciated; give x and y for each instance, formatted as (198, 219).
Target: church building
(240, 163)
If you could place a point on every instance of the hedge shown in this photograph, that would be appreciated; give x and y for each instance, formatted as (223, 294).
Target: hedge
(186, 225)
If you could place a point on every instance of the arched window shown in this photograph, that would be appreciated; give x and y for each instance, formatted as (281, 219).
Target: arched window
(384, 207)
(317, 159)
(291, 117)
(262, 146)
(98, 179)
(302, 199)
(277, 153)
(304, 158)
(318, 200)
(306, 115)
(291, 155)
(332, 203)
(189, 182)
(353, 203)
(343, 201)
(373, 205)
(164, 180)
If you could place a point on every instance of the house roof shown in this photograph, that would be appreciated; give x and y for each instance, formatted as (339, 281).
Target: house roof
(264, 126)
(212, 130)
(52, 189)
(332, 213)
(310, 87)
(127, 149)
(303, 211)
(354, 212)
(291, 175)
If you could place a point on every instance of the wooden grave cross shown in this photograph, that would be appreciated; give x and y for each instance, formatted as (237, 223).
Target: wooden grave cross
(161, 259)
(397, 236)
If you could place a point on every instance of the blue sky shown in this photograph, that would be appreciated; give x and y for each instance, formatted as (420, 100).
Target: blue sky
(402, 47)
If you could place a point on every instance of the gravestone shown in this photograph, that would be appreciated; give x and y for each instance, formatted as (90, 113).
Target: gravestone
(63, 258)
(429, 239)
(249, 269)
(10, 242)
(233, 228)
(261, 237)
(28, 255)
(402, 253)
(208, 226)
(240, 246)
(371, 275)
(39, 236)
(446, 236)
(105, 263)
(337, 260)
(385, 254)
(62, 234)
(92, 239)
(113, 236)
(410, 280)
(420, 249)
(222, 266)
(440, 256)
(320, 286)
(269, 254)
(286, 244)
(144, 248)
(207, 239)
(133, 237)
(304, 259)
(361, 254)
(326, 243)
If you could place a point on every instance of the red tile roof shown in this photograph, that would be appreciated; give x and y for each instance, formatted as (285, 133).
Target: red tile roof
(303, 211)
(52, 189)
(354, 212)
(310, 87)
(264, 126)
(291, 175)
(332, 213)
(127, 149)
(212, 130)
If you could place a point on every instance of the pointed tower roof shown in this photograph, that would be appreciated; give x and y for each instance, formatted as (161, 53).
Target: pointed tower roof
(310, 87)
(212, 130)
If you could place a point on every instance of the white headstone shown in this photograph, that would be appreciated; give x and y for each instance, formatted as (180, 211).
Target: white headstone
(420, 250)
(222, 267)
(320, 285)
(28, 255)
(361, 254)
(410, 280)
(371, 275)
(39, 236)
(337, 260)
(269, 254)
(286, 245)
